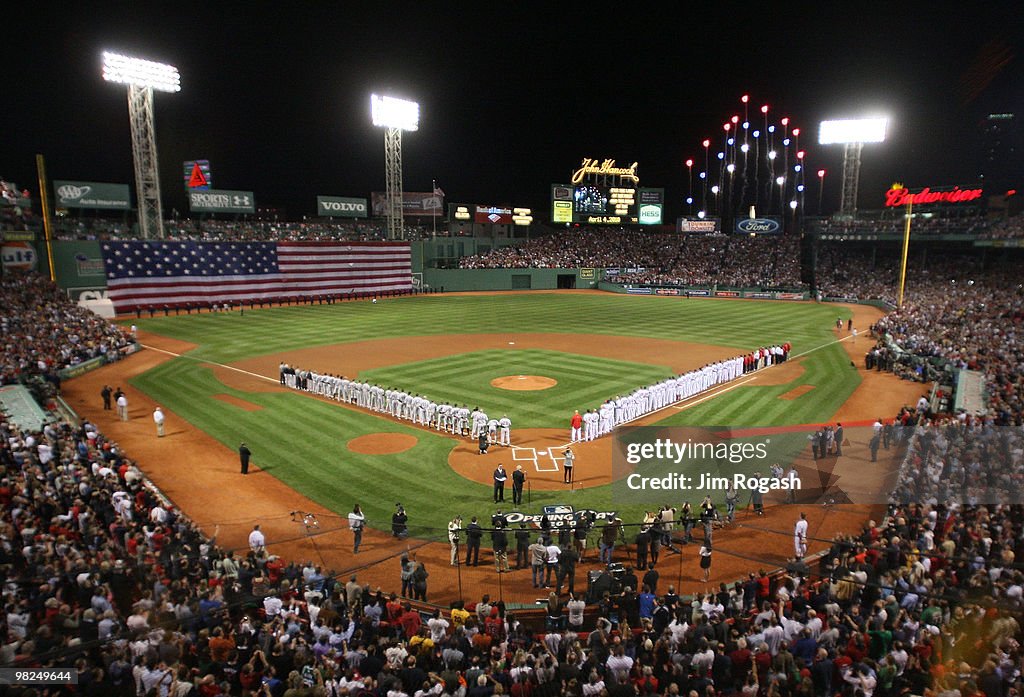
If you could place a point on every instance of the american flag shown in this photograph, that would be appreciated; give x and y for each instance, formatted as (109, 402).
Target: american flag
(147, 273)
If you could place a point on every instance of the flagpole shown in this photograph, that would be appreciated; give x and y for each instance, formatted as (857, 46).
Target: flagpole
(433, 218)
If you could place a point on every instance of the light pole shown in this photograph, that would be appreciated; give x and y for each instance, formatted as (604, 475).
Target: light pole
(394, 115)
(852, 134)
(142, 77)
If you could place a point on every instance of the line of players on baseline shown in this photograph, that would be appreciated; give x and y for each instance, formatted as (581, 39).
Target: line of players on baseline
(595, 423)
(405, 406)
(654, 533)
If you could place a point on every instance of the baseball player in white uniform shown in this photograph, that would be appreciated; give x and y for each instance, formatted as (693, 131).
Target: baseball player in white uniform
(505, 430)
(800, 537)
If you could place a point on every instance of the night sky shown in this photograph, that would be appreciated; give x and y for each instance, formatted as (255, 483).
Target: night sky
(512, 95)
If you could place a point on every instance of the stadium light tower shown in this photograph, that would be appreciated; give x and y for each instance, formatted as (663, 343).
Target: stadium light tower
(852, 134)
(395, 116)
(142, 77)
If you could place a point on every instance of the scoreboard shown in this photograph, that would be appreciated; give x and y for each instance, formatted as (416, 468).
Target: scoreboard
(595, 204)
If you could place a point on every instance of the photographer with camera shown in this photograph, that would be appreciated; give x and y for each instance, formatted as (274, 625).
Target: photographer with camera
(399, 520)
(583, 526)
(666, 523)
(499, 542)
(708, 516)
(454, 529)
(687, 519)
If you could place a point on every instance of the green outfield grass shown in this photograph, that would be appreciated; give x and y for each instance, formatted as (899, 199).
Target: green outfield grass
(741, 324)
(302, 441)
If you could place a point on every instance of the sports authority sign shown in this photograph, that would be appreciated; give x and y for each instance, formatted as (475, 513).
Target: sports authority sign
(340, 207)
(221, 201)
(72, 194)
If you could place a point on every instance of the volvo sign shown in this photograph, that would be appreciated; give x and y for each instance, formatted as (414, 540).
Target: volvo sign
(337, 206)
(759, 226)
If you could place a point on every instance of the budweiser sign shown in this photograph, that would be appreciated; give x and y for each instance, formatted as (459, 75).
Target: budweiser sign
(901, 196)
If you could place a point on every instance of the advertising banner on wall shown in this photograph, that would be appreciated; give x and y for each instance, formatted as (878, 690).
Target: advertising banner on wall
(759, 226)
(414, 203)
(495, 215)
(698, 226)
(341, 207)
(75, 194)
(561, 211)
(19, 256)
(221, 201)
(650, 204)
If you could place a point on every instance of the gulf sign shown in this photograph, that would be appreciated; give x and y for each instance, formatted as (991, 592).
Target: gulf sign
(19, 256)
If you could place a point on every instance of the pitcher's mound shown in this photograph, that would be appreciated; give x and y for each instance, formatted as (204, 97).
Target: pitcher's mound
(523, 383)
(382, 443)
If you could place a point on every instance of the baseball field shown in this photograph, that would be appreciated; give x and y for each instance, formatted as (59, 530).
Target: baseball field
(535, 357)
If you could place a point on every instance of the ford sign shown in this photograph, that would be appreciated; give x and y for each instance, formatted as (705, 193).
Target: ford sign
(759, 226)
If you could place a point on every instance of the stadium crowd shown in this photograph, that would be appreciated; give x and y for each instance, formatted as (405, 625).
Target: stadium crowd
(12, 215)
(647, 258)
(100, 573)
(1010, 228)
(969, 222)
(43, 333)
(98, 228)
